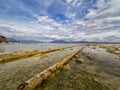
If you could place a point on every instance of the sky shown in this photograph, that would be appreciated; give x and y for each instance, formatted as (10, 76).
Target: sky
(69, 20)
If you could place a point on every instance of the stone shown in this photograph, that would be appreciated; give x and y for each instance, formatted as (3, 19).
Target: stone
(117, 52)
(89, 57)
(66, 67)
(42, 56)
(79, 60)
(57, 72)
(52, 75)
(77, 56)
(118, 49)
(61, 49)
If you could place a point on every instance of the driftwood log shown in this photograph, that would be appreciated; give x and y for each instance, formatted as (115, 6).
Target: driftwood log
(38, 79)
(25, 54)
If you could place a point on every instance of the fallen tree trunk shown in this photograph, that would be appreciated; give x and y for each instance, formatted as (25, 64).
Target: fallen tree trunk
(17, 55)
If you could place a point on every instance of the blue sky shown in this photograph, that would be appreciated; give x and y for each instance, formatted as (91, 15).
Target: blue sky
(70, 20)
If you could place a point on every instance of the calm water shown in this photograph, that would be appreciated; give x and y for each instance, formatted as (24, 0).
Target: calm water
(14, 73)
(6, 48)
(100, 73)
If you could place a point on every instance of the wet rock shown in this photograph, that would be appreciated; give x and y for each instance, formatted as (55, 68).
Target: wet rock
(57, 72)
(52, 75)
(77, 56)
(71, 48)
(79, 60)
(66, 67)
(118, 49)
(61, 49)
(117, 52)
(95, 47)
(89, 57)
(95, 80)
(42, 56)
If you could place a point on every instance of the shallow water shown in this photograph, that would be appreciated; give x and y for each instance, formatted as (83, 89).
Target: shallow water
(14, 73)
(11, 47)
(100, 73)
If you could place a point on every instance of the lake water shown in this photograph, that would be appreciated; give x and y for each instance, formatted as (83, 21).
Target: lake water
(7, 48)
(100, 73)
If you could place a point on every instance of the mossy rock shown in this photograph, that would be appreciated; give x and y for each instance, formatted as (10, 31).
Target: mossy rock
(79, 60)
(42, 56)
(52, 76)
(89, 57)
(57, 72)
(66, 67)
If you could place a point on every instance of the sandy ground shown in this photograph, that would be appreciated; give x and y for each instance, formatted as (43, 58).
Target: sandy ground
(102, 72)
(14, 73)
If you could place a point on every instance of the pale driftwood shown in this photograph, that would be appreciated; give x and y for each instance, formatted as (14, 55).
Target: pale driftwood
(33, 82)
(25, 54)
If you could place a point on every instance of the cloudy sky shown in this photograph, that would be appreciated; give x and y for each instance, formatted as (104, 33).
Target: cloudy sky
(70, 20)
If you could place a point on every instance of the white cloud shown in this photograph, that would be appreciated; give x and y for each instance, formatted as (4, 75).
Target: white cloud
(105, 19)
(98, 24)
(91, 13)
(69, 1)
(101, 4)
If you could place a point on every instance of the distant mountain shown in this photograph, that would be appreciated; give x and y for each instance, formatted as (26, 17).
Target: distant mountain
(84, 41)
(30, 41)
(59, 41)
(2, 39)
(27, 41)
(55, 41)
(12, 40)
(63, 41)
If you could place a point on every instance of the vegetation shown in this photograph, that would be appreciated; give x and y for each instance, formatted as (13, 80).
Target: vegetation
(2, 39)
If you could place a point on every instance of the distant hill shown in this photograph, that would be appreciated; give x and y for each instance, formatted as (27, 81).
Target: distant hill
(59, 41)
(22, 41)
(63, 41)
(84, 41)
(12, 40)
(2, 39)
(30, 41)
